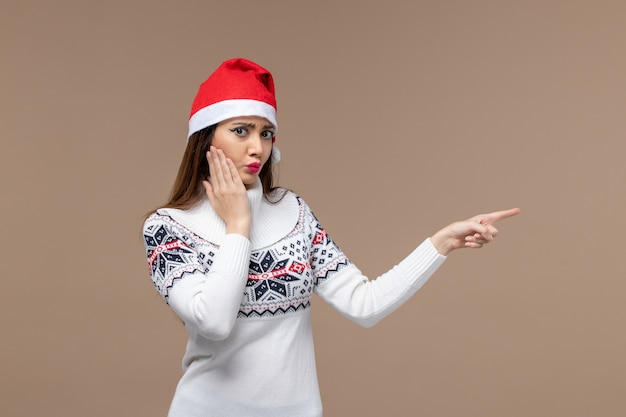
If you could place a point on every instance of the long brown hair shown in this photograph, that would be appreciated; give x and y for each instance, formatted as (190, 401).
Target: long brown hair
(194, 168)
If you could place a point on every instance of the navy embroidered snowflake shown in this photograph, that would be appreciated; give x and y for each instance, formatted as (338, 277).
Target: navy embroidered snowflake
(171, 255)
(279, 280)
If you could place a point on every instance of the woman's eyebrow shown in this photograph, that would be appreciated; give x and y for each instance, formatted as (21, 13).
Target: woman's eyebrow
(247, 124)
(252, 124)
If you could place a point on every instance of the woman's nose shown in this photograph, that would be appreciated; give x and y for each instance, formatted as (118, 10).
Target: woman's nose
(255, 145)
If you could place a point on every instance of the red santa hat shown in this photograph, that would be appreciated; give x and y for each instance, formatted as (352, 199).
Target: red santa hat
(238, 87)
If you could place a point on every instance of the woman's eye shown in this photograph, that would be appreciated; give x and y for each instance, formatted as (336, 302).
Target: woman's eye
(239, 131)
(267, 134)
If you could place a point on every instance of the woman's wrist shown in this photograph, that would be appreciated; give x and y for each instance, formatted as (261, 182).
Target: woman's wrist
(241, 227)
(441, 242)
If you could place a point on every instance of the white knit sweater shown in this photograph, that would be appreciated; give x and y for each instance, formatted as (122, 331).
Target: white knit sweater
(246, 303)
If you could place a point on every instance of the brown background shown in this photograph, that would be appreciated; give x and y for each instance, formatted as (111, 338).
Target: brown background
(396, 118)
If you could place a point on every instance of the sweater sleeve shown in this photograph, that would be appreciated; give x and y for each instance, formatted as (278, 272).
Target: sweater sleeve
(202, 283)
(367, 301)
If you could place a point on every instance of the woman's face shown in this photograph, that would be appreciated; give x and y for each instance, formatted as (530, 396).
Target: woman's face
(247, 141)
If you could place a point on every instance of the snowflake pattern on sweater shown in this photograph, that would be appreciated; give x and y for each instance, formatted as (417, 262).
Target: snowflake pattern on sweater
(281, 277)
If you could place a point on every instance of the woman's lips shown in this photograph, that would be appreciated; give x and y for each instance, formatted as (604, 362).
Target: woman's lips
(254, 167)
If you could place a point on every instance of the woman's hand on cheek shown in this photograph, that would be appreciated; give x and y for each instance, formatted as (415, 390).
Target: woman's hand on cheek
(227, 193)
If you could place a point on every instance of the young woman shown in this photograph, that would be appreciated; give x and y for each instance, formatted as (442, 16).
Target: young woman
(238, 260)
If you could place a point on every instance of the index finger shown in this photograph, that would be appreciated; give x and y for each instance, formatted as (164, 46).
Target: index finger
(499, 215)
